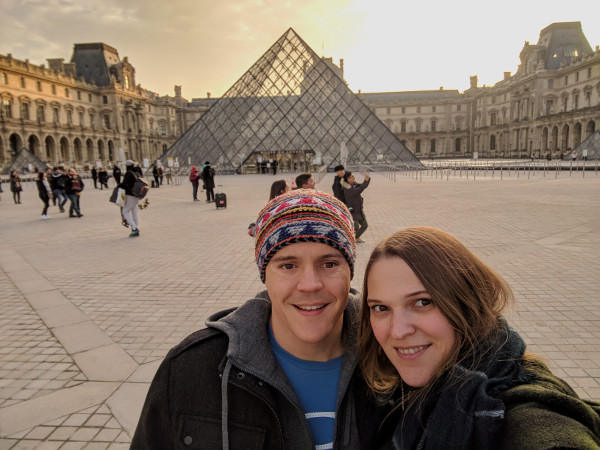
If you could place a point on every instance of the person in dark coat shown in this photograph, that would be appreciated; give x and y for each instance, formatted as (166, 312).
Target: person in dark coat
(103, 177)
(45, 193)
(95, 177)
(208, 175)
(73, 189)
(117, 174)
(156, 175)
(279, 371)
(15, 186)
(354, 201)
(338, 190)
(129, 211)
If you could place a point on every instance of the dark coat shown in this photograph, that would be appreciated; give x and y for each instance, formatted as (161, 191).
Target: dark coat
(117, 174)
(15, 184)
(354, 199)
(186, 402)
(338, 190)
(42, 191)
(208, 175)
(129, 180)
(103, 176)
(71, 188)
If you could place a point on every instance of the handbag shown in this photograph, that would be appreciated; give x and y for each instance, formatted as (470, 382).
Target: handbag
(120, 197)
(113, 196)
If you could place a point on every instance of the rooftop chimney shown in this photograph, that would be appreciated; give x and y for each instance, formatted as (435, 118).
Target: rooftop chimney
(506, 75)
(208, 95)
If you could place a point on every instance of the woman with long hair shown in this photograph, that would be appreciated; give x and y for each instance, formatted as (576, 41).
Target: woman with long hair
(433, 342)
(15, 186)
(277, 188)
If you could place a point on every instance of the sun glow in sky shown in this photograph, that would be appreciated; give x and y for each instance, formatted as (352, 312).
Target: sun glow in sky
(206, 45)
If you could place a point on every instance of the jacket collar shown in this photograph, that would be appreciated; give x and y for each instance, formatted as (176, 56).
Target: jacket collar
(249, 348)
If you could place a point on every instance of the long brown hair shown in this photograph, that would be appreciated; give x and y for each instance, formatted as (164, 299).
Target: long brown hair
(469, 294)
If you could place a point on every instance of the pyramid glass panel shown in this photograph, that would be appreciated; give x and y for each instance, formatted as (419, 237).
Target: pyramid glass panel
(589, 149)
(290, 106)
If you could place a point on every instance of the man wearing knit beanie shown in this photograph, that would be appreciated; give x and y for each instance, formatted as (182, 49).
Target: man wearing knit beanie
(278, 371)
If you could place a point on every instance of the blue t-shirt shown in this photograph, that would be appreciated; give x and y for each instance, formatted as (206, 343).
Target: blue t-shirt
(316, 386)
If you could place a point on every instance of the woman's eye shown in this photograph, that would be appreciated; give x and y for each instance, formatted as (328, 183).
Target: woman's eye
(379, 308)
(423, 302)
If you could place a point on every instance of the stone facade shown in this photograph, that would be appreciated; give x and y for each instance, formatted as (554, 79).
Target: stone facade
(87, 110)
(547, 108)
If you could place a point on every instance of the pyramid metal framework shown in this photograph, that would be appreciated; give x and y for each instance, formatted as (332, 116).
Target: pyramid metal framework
(591, 144)
(22, 161)
(290, 101)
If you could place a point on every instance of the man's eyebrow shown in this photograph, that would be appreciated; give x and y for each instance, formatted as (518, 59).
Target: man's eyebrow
(334, 255)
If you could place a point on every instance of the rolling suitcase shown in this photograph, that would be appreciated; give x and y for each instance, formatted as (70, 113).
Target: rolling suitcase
(220, 198)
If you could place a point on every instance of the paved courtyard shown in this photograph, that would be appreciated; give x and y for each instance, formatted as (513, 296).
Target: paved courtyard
(87, 314)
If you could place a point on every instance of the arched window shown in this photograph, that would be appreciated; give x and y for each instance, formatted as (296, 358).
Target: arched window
(493, 142)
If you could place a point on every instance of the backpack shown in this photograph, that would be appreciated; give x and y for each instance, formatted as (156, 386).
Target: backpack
(140, 187)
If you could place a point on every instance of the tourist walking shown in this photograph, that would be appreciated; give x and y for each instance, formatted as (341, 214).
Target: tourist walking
(156, 175)
(117, 174)
(15, 186)
(58, 182)
(195, 180)
(73, 188)
(168, 175)
(354, 201)
(208, 175)
(95, 176)
(131, 202)
(103, 177)
(45, 193)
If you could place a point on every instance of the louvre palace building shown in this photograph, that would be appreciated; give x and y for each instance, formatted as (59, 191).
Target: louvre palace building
(91, 109)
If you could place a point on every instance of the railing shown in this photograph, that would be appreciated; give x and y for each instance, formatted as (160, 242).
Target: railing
(472, 169)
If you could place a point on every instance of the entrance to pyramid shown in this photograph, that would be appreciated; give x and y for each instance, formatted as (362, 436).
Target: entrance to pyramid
(293, 110)
(281, 161)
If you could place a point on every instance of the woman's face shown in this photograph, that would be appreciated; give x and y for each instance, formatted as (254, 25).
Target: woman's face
(412, 331)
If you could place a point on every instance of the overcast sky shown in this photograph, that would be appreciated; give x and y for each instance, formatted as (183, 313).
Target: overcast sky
(206, 45)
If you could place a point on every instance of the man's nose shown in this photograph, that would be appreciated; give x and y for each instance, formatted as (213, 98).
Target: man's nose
(310, 280)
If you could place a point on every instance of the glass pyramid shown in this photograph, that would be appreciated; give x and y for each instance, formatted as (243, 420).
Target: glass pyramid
(26, 161)
(292, 107)
(591, 145)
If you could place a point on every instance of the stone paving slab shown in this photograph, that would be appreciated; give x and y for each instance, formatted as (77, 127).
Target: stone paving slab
(84, 308)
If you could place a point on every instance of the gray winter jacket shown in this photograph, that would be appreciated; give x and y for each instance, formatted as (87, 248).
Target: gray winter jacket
(223, 388)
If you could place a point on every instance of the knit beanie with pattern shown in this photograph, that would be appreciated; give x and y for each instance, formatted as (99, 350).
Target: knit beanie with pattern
(304, 215)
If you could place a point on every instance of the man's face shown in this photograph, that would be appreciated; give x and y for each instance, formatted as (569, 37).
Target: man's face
(351, 179)
(310, 184)
(308, 283)
(340, 173)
